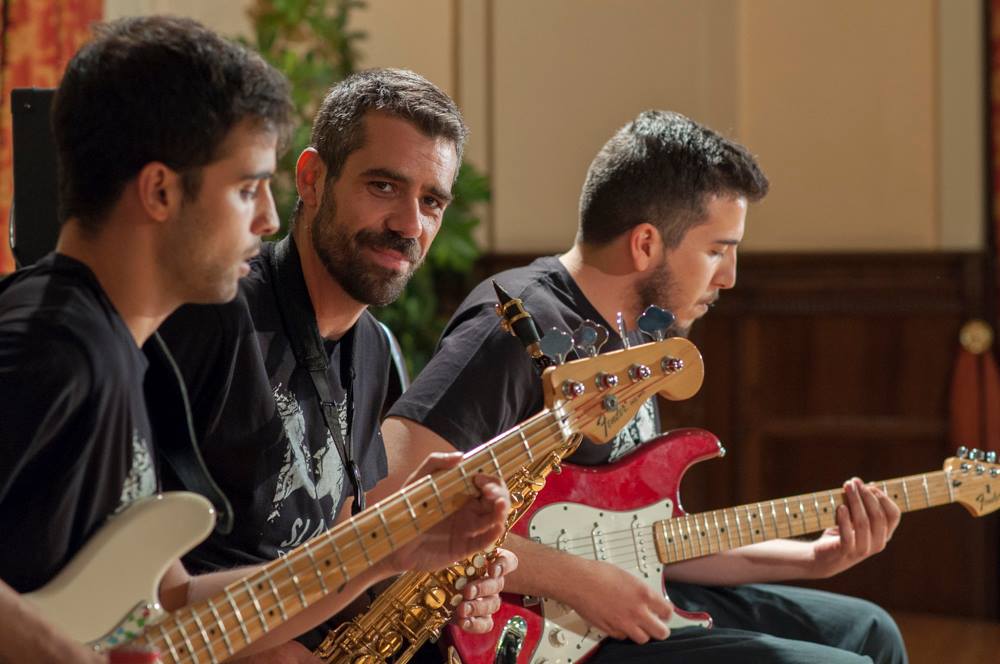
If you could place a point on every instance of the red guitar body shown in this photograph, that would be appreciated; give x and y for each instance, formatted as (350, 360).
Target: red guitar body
(650, 476)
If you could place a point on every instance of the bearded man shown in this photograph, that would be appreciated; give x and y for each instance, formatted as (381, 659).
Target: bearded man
(287, 383)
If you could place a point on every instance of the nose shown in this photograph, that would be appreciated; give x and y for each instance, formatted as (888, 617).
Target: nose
(407, 219)
(265, 220)
(725, 276)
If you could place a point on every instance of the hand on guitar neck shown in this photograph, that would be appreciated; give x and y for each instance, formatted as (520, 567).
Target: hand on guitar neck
(478, 524)
(865, 525)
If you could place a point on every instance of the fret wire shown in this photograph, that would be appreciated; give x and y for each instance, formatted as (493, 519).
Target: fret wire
(729, 530)
(465, 478)
(527, 448)
(493, 458)
(204, 635)
(186, 638)
(833, 507)
(277, 597)
(385, 527)
(361, 542)
(295, 581)
(927, 492)
(906, 494)
(222, 627)
(316, 569)
(774, 518)
(687, 521)
(169, 642)
(718, 531)
(437, 494)
(239, 616)
(788, 517)
(819, 517)
(947, 483)
(673, 539)
(708, 534)
(802, 513)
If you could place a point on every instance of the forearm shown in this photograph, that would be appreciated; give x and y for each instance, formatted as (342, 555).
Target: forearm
(26, 637)
(542, 571)
(776, 560)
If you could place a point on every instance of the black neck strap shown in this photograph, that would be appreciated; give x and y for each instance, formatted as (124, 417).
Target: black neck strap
(299, 320)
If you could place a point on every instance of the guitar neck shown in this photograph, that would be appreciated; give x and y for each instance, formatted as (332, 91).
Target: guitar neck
(246, 610)
(696, 535)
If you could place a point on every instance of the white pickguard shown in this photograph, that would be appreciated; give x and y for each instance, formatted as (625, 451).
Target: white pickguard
(108, 593)
(566, 637)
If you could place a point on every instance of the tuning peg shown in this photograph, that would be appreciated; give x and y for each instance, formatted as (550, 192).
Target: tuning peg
(622, 331)
(973, 454)
(991, 457)
(589, 338)
(655, 322)
(961, 451)
(556, 344)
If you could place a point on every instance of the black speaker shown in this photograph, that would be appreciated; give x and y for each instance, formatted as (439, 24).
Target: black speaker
(34, 216)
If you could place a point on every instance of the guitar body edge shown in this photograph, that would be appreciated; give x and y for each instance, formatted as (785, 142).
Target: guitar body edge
(650, 475)
(112, 584)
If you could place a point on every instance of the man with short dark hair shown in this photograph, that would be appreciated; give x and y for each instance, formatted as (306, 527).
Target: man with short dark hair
(167, 138)
(661, 216)
(373, 187)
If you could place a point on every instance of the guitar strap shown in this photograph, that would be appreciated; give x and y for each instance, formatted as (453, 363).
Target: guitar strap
(299, 320)
(176, 442)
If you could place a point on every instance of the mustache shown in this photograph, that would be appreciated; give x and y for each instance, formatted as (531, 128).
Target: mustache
(388, 239)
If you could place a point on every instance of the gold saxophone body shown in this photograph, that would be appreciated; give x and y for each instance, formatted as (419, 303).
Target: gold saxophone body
(418, 604)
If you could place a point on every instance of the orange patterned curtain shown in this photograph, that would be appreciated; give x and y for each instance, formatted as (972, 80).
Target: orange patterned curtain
(975, 395)
(39, 37)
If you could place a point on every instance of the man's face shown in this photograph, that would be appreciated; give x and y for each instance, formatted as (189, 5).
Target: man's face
(377, 220)
(219, 230)
(691, 275)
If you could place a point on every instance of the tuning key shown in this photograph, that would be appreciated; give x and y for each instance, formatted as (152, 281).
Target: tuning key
(589, 337)
(961, 451)
(556, 344)
(655, 322)
(991, 457)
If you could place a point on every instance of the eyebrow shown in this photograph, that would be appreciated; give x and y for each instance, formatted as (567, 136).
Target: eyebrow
(390, 174)
(259, 175)
(729, 242)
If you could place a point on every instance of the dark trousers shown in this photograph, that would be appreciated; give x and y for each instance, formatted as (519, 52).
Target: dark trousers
(770, 623)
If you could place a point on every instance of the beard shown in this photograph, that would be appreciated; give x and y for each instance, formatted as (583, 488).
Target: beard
(343, 258)
(659, 288)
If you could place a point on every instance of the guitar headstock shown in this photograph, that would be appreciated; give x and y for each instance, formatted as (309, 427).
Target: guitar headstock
(974, 477)
(603, 393)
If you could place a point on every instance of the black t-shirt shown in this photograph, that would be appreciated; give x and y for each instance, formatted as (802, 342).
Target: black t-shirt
(74, 431)
(481, 381)
(260, 427)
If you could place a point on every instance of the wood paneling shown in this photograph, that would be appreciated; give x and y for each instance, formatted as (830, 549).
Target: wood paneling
(823, 367)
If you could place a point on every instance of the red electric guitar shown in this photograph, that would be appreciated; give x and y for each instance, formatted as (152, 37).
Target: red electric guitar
(629, 514)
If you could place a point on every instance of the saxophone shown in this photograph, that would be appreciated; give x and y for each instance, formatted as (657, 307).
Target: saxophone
(418, 604)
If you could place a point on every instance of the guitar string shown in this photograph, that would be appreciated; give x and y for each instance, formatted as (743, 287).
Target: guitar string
(575, 420)
(935, 493)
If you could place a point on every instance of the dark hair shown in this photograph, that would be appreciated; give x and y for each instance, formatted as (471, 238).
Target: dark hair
(338, 129)
(150, 89)
(660, 168)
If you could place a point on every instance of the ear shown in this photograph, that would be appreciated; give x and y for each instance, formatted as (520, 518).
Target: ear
(160, 190)
(645, 246)
(310, 176)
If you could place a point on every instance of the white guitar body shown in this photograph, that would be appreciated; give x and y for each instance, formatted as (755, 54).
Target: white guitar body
(621, 538)
(108, 593)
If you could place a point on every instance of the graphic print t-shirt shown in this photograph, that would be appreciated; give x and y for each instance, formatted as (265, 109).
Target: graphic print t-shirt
(74, 431)
(481, 381)
(260, 427)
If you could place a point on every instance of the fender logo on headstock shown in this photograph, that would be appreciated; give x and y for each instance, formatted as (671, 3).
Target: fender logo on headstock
(988, 497)
(608, 421)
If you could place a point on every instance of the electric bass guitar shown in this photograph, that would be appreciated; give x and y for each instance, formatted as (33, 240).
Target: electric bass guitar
(107, 595)
(629, 514)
